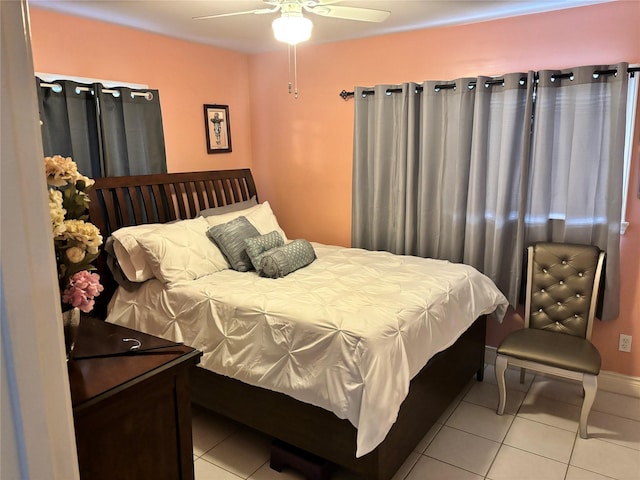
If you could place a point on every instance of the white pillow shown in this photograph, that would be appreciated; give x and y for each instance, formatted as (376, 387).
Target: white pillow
(261, 216)
(181, 251)
(131, 258)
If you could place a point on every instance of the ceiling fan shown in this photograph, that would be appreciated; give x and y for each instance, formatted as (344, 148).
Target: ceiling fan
(324, 8)
(293, 27)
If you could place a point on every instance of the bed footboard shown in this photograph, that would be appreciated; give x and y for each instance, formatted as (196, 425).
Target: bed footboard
(321, 433)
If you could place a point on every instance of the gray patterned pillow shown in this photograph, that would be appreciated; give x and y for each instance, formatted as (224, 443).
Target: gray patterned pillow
(234, 207)
(229, 237)
(257, 246)
(281, 261)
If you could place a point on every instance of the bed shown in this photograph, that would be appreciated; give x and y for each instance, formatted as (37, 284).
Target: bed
(356, 380)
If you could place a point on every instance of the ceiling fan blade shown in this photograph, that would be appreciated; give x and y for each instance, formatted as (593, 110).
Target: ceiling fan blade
(258, 11)
(350, 13)
(315, 3)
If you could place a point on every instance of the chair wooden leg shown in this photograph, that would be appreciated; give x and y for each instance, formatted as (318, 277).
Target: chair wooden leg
(501, 367)
(590, 387)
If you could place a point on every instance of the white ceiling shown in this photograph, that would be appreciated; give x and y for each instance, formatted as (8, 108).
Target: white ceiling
(252, 33)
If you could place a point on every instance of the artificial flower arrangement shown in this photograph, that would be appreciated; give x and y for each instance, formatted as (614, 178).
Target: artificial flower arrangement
(76, 240)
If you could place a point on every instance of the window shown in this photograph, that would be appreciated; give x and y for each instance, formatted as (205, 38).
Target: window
(632, 105)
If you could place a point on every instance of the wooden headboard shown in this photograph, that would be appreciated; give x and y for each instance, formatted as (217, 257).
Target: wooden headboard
(117, 202)
(124, 201)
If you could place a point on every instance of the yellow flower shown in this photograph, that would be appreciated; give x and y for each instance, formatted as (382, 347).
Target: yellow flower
(57, 212)
(86, 234)
(75, 254)
(61, 171)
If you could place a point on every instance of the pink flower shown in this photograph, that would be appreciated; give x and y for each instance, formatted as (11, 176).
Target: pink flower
(83, 287)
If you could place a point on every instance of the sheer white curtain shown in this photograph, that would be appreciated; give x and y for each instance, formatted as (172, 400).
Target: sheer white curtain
(577, 158)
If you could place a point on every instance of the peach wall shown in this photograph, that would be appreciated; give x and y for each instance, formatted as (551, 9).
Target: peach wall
(303, 148)
(300, 150)
(187, 75)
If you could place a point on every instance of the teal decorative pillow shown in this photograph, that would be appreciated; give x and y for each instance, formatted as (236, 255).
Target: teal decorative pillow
(257, 246)
(281, 261)
(230, 237)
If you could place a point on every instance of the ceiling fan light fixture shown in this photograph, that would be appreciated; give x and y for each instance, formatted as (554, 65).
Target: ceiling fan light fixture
(292, 28)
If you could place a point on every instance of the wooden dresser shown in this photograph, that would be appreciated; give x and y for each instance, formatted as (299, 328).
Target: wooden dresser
(131, 408)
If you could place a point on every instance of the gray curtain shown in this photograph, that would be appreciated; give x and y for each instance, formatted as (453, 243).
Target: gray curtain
(433, 172)
(106, 134)
(577, 164)
(385, 168)
(443, 175)
(494, 232)
(70, 124)
(132, 133)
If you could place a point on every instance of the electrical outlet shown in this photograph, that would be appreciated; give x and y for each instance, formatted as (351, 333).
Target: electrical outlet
(625, 343)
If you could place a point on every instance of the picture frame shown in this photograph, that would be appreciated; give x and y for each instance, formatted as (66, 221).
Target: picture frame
(217, 128)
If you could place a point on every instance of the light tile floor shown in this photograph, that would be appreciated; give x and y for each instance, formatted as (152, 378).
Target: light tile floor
(537, 438)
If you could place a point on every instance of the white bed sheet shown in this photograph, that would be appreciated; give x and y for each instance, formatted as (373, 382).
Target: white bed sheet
(346, 333)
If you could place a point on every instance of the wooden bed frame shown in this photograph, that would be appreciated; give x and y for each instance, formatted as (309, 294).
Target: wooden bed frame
(124, 201)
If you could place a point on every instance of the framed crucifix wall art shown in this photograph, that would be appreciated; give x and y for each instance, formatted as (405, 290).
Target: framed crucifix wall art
(216, 123)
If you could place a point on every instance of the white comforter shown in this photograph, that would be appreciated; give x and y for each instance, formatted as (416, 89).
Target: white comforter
(346, 333)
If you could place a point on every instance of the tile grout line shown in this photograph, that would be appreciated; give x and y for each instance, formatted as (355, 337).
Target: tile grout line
(221, 467)
(594, 408)
(573, 447)
(256, 470)
(575, 438)
(486, 476)
(456, 404)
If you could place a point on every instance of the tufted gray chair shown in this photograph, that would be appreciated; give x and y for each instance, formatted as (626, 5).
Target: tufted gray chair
(561, 298)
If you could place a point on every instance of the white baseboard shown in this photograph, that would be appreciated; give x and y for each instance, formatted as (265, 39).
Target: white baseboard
(618, 383)
(609, 381)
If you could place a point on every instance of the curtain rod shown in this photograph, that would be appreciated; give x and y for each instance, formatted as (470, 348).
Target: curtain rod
(448, 86)
(56, 87)
(441, 86)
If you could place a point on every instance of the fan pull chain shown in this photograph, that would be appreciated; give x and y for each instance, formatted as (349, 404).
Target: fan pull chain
(295, 72)
(289, 60)
(293, 87)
